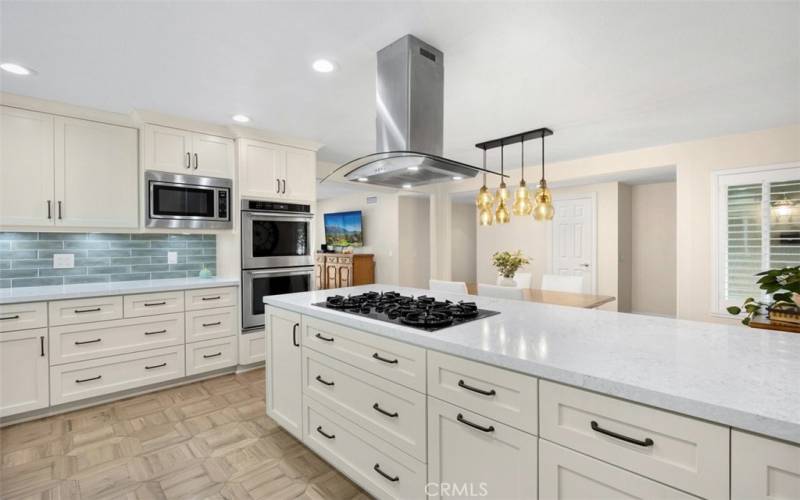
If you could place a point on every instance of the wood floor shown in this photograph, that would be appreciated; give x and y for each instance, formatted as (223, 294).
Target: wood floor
(210, 439)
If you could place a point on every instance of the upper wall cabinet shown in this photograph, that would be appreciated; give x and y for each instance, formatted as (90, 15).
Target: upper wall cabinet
(276, 172)
(67, 172)
(183, 152)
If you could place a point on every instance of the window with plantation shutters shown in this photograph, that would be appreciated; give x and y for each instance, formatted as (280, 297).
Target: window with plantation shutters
(758, 228)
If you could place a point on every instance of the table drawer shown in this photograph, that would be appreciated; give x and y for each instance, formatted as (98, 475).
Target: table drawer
(396, 361)
(70, 343)
(210, 355)
(203, 298)
(86, 379)
(23, 316)
(391, 412)
(69, 312)
(689, 454)
(211, 324)
(503, 395)
(360, 455)
(149, 304)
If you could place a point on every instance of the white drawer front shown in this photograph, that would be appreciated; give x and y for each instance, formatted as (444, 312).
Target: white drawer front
(396, 361)
(252, 348)
(69, 312)
(503, 395)
(149, 304)
(210, 355)
(70, 343)
(763, 468)
(210, 324)
(567, 475)
(203, 298)
(86, 379)
(392, 412)
(358, 453)
(684, 452)
(23, 316)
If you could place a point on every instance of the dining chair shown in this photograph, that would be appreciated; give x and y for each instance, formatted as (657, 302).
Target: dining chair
(521, 280)
(500, 292)
(562, 283)
(448, 286)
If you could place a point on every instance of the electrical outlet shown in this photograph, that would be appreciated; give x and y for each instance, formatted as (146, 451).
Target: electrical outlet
(172, 257)
(63, 260)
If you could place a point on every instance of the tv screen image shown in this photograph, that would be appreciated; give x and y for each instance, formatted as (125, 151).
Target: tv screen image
(343, 229)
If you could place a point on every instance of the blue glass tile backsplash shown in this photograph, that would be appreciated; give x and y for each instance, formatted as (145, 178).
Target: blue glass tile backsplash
(26, 259)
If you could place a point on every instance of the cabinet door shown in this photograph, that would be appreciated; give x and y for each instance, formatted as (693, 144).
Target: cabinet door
(473, 456)
(24, 382)
(96, 167)
(318, 273)
(299, 174)
(284, 372)
(212, 156)
(763, 468)
(167, 149)
(330, 276)
(344, 275)
(26, 168)
(259, 169)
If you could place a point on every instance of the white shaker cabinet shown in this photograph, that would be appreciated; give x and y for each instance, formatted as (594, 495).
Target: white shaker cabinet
(213, 156)
(184, 152)
(763, 468)
(24, 369)
(284, 373)
(276, 172)
(300, 175)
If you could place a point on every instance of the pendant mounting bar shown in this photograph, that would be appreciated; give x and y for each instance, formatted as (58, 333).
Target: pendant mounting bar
(539, 133)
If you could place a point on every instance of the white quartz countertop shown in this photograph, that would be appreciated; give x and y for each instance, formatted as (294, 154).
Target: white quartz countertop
(733, 375)
(42, 293)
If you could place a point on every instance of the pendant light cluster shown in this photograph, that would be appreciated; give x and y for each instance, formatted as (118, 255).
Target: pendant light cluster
(522, 205)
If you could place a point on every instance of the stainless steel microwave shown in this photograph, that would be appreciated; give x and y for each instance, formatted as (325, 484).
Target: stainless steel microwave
(187, 201)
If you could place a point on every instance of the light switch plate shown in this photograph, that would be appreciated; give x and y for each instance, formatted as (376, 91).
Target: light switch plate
(63, 260)
(172, 257)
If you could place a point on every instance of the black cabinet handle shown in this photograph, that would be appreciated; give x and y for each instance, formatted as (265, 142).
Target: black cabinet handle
(150, 304)
(463, 420)
(323, 337)
(329, 436)
(81, 342)
(16, 316)
(188, 160)
(212, 324)
(212, 355)
(154, 366)
(385, 360)
(155, 332)
(490, 392)
(283, 191)
(647, 442)
(294, 335)
(211, 298)
(80, 381)
(78, 311)
(377, 469)
(322, 380)
(196, 161)
(381, 410)
(59, 209)
(41, 345)
(278, 186)
(49, 212)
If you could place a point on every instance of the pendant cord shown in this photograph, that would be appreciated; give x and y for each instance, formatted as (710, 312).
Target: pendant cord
(522, 159)
(484, 167)
(542, 157)
(502, 176)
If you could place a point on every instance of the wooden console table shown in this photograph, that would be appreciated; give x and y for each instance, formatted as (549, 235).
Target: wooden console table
(339, 270)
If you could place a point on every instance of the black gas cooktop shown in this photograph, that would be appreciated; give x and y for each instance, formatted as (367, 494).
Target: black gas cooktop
(423, 312)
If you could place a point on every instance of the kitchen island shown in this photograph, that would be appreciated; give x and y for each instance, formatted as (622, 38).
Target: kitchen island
(651, 406)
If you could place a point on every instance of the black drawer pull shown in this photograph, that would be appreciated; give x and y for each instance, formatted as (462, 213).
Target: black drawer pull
(463, 420)
(41, 345)
(81, 342)
(78, 311)
(381, 410)
(80, 381)
(490, 392)
(154, 366)
(150, 304)
(320, 379)
(647, 442)
(212, 355)
(155, 332)
(16, 316)
(329, 436)
(323, 337)
(212, 324)
(385, 360)
(377, 469)
(212, 298)
(294, 335)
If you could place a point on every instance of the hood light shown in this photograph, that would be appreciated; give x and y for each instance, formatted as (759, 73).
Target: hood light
(362, 179)
(240, 118)
(16, 69)
(413, 169)
(406, 186)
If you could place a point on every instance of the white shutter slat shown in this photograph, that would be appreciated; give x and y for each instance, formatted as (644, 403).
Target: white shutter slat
(744, 240)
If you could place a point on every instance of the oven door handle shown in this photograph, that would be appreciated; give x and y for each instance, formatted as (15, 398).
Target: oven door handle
(281, 272)
(291, 217)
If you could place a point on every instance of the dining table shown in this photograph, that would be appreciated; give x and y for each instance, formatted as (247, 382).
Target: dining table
(583, 300)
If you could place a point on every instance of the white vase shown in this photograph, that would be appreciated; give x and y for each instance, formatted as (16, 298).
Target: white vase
(503, 281)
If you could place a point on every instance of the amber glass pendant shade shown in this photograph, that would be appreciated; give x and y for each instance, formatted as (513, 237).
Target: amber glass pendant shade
(484, 198)
(501, 216)
(544, 203)
(522, 200)
(502, 192)
(485, 216)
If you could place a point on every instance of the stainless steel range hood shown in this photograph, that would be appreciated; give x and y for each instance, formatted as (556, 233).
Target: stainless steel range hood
(410, 107)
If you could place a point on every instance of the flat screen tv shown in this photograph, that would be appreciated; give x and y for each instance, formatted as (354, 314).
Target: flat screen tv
(343, 229)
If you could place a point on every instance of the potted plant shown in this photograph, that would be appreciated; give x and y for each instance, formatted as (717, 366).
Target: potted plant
(508, 264)
(783, 285)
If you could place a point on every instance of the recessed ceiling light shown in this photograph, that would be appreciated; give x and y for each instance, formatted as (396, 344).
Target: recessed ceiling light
(241, 118)
(362, 179)
(406, 186)
(413, 169)
(457, 178)
(16, 69)
(323, 66)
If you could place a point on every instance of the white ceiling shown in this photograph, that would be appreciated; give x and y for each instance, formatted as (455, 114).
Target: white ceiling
(605, 76)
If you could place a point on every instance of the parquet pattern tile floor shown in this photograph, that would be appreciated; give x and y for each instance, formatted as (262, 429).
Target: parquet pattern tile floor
(208, 439)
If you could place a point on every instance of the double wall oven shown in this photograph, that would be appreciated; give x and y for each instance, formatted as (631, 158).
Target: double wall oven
(276, 254)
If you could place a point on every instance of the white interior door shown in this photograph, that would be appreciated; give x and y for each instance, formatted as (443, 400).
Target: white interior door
(574, 241)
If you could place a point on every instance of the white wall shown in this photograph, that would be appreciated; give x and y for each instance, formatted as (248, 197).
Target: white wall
(414, 241)
(653, 287)
(463, 227)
